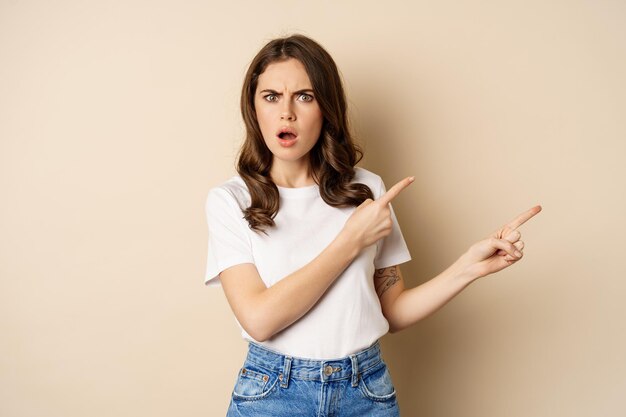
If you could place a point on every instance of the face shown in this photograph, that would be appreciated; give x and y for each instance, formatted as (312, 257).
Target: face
(284, 99)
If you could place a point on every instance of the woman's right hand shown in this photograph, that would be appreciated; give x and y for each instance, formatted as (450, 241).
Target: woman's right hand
(371, 220)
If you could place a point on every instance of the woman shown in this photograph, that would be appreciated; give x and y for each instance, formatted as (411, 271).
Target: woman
(307, 248)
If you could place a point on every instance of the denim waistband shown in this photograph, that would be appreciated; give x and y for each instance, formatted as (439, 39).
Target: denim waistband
(322, 370)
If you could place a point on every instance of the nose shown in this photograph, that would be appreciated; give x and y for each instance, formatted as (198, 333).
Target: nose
(286, 113)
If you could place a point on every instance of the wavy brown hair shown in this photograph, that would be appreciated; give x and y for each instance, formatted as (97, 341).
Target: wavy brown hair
(334, 155)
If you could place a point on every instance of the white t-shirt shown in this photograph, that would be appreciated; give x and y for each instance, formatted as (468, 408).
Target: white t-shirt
(348, 316)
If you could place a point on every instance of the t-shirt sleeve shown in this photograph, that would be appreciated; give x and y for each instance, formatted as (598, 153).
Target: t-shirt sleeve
(229, 243)
(392, 249)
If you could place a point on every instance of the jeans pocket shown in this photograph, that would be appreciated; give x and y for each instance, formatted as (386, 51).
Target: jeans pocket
(254, 382)
(376, 384)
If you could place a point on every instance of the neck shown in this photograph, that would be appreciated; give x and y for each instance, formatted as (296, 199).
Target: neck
(291, 174)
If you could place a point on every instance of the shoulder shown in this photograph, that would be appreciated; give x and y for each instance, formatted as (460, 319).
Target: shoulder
(363, 174)
(233, 192)
(369, 178)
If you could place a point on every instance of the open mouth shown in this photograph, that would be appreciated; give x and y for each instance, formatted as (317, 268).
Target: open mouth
(286, 135)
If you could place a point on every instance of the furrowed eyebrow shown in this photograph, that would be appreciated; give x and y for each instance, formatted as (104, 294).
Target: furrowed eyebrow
(277, 93)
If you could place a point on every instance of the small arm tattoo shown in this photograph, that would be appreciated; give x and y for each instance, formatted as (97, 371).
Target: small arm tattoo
(384, 279)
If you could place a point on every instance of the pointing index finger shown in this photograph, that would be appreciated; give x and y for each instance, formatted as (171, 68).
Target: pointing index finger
(395, 190)
(523, 218)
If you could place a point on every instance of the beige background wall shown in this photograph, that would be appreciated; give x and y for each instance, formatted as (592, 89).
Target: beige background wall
(117, 117)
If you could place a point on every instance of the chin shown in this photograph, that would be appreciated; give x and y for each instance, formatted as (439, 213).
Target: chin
(293, 158)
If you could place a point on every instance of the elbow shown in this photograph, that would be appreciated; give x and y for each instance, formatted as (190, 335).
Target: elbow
(395, 329)
(262, 319)
(393, 326)
(258, 335)
(257, 326)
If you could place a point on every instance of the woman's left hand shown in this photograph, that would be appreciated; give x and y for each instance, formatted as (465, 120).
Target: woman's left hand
(497, 251)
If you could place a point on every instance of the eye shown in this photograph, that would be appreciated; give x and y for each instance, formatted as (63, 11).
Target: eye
(271, 97)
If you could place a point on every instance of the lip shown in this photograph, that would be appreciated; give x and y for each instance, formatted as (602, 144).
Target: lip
(286, 129)
(287, 142)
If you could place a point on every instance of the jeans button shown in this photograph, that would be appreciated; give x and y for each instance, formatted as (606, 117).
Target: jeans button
(328, 370)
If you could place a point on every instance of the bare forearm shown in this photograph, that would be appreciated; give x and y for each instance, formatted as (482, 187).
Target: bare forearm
(414, 304)
(293, 296)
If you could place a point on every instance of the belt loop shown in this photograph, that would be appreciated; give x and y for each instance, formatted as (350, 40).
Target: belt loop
(286, 372)
(355, 370)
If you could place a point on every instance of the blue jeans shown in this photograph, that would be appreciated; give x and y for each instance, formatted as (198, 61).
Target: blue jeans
(271, 384)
